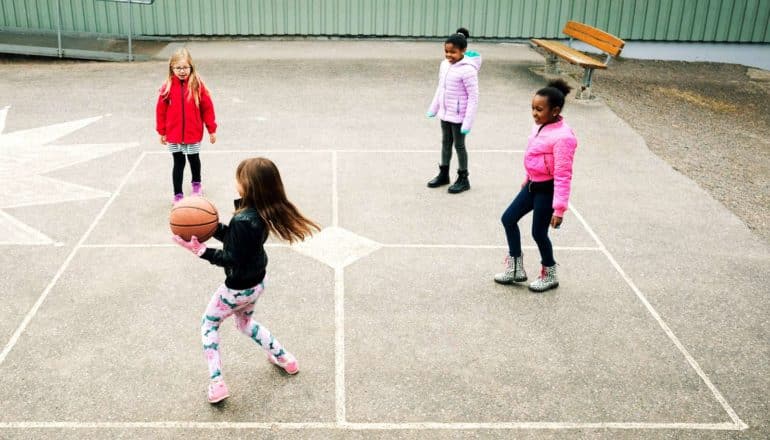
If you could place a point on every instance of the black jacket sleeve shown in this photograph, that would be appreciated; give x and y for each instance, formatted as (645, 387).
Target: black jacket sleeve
(221, 232)
(237, 240)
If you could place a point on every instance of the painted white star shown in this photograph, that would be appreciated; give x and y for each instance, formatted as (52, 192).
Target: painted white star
(25, 156)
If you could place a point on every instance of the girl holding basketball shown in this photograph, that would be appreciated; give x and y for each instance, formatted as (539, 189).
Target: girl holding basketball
(545, 191)
(262, 209)
(184, 107)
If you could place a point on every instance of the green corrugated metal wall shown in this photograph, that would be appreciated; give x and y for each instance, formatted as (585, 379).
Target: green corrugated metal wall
(670, 20)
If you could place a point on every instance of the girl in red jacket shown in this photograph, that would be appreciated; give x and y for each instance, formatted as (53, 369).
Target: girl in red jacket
(548, 163)
(184, 106)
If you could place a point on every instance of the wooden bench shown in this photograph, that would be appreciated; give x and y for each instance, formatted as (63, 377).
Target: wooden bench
(609, 44)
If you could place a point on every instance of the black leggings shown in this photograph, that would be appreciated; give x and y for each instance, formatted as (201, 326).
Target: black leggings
(540, 203)
(450, 133)
(178, 172)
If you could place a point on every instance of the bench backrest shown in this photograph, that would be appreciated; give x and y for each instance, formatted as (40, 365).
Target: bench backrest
(595, 37)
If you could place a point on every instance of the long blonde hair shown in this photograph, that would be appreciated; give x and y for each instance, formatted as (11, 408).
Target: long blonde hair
(195, 83)
(262, 187)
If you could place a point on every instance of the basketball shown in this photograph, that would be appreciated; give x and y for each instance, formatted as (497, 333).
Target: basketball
(194, 216)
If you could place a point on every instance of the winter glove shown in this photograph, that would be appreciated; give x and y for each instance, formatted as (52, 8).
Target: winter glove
(465, 131)
(430, 114)
(193, 245)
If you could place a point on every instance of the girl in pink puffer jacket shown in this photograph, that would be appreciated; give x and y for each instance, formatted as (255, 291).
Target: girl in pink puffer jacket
(455, 103)
(548, 162)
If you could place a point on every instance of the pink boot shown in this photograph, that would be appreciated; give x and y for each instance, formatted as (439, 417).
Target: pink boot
(177, 198)
(197, 189)
(287, 361)
(218, 390)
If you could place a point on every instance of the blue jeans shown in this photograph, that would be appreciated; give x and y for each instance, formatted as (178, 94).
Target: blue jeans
(541, 204)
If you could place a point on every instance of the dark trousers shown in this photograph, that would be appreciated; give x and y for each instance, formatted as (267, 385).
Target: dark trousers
(450, 133)
(541, 203)
(178, 172)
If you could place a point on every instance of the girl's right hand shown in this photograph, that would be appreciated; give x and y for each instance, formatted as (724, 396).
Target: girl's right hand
(163, 140)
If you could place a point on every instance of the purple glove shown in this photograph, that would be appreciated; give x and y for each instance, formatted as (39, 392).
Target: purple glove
(193, 245)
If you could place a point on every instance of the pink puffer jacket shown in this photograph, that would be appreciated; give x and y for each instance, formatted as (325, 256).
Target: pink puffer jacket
(457, 95)
(549, 156)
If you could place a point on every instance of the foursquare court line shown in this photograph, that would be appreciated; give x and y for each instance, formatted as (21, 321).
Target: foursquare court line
(736, 423)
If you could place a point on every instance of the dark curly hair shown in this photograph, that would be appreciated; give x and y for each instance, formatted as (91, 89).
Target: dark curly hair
(555, 91)
(459, 39)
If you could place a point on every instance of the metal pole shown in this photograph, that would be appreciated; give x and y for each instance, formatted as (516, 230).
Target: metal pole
(58, 28)
(130, 19)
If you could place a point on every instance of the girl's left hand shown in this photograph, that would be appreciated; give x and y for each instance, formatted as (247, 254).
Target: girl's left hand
(213, 138)
(556, 222)
(193, 245)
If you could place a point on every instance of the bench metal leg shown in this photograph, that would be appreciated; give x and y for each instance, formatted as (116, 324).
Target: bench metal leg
(552, 64)
(585, 89)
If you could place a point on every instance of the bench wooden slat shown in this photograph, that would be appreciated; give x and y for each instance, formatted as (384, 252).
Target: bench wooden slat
(569, 54)
(595, 37)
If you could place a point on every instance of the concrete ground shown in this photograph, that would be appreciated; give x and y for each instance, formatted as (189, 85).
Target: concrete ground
(659, 328)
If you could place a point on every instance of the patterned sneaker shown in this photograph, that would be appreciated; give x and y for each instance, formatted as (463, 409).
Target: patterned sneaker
(177, 198)
(218, 391)
(287, 361)
(197, 189)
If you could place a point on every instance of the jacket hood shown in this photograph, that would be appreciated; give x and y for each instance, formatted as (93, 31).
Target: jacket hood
(473, 58)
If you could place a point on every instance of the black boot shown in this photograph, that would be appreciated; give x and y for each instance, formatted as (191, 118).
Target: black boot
(442, 178)
(461, 184)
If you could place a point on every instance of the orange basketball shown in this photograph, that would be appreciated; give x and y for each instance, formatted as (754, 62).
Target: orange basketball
(194, 216)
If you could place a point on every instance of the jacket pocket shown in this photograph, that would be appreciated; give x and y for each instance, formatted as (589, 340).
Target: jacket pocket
(548, 163)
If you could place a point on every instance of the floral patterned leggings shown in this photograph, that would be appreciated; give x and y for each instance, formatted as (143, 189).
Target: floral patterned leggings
(240, 303)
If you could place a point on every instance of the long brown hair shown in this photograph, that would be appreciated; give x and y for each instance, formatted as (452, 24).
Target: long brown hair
(263, 190)
(194, 82)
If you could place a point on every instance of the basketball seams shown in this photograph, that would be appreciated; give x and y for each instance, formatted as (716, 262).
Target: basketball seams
(195, 225)
(215, 213)
(205, 218)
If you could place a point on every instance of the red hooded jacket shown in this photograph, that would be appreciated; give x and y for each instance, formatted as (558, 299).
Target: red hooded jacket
(180, 120)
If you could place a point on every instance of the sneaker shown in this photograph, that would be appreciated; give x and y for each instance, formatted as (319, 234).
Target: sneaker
(287, 361)
(177, 198)
(197, 189)
(218, 391)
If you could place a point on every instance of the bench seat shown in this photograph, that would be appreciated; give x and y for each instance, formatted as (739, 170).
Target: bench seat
(569, 54)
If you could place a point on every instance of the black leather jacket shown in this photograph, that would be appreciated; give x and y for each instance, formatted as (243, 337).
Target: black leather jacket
(243, 254)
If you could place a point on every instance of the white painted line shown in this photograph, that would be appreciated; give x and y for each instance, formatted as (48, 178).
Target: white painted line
(320, 151)
(420, 151)
(168, 425)
(159, 245)
(484, 246)
(693, 363)
(326, 150)
(339, 344)
(540, 425)
(394, 245)
(419, 426)
(3, 115)
(28, 317)
(21, 233)
(335, 192)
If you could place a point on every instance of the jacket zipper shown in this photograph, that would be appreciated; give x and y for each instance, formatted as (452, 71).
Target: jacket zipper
(183, 104)
(445, 76)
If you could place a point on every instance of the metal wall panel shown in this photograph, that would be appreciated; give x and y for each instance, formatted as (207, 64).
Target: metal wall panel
(662, 20)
